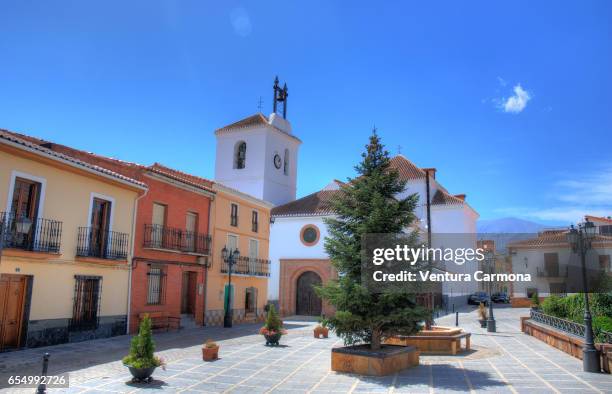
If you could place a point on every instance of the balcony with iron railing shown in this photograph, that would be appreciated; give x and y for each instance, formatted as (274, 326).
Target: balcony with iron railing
(102, 244)
(33, 235)
(248, 266)
(168, 238)
(559, 272)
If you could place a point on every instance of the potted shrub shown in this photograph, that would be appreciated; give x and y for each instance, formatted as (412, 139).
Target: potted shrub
(321, 330)
(210, 350)
(482, 314)
(273, 328)
(141, 361)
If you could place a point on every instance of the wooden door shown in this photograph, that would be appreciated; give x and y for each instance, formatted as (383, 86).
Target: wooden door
(24, 205)
(158, 222)
(100, 225)
(308, 303)
(189, 290)
(12, 298)
(191, 225)
(551, 263)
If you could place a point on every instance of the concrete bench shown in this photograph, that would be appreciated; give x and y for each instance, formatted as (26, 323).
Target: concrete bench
(441, 344)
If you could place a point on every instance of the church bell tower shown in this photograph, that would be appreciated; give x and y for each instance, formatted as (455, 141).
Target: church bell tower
(258, 155)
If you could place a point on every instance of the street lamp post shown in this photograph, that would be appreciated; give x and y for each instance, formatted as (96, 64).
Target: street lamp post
(491, 320)
(580, 239)
(230, 257)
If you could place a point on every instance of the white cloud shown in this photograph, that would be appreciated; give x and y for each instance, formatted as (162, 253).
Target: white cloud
(561, 214)
(584, 194)
(241, 22)
(589, 189)
(517, 102)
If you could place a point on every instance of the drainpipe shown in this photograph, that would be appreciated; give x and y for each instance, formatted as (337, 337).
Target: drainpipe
(208, 260)
(129, 300)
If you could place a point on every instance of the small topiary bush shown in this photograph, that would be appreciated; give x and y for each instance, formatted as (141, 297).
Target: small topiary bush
(142, 348)
(273, 323)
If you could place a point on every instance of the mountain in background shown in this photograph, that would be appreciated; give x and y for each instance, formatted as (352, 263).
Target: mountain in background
(509, 225)
(507, 230)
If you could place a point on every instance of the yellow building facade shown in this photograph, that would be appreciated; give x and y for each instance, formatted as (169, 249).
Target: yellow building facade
(67, 231)
(241, 222)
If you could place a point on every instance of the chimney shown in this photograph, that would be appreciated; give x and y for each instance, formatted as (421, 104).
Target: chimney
(460, 196)
(431, 171)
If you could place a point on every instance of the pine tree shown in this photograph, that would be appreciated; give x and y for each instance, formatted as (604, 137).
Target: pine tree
(368, 204)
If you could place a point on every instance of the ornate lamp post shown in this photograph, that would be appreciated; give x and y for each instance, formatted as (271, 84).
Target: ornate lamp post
(230, 257)
(490, 258)
(580, 239)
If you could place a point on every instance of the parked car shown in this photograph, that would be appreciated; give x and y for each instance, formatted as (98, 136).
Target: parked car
(478, 297)
(500, 297)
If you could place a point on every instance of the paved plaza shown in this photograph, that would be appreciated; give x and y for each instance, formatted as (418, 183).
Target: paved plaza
(505, 362)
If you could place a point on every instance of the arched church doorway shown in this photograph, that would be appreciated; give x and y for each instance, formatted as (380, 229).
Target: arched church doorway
(308, 303)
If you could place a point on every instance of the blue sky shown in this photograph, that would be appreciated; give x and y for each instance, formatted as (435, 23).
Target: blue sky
(510, 101)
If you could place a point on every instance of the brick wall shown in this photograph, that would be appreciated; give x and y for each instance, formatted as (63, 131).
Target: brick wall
(290, 270)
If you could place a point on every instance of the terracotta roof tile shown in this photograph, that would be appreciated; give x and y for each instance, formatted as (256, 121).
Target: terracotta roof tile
(598, 219)
(254, 120)
(39, 146)
(552, 238)
(180, 176)
(407, 169)
(315, 204)
(443, 198)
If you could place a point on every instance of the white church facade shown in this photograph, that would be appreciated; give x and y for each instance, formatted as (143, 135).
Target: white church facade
(259, 156)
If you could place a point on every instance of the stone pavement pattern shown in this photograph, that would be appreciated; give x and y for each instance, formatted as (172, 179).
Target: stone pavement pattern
(505, 362)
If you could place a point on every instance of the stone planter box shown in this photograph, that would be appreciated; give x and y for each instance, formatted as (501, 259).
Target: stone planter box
(565, 342)
(361, 360)
(606, 357)
(437, 340)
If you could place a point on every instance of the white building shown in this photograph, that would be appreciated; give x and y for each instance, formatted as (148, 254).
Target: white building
(298, 231)
(554, 267)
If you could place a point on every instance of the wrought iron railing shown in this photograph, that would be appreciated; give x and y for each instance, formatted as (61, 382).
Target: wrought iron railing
(248, 266)
(162, 237)
(561, 272)
(103, 244)
(35, 235)
(567, 326)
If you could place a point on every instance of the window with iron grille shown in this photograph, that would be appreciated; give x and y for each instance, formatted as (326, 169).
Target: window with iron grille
(87, 293)
(155, 285)
(255, 221)
(234, 215)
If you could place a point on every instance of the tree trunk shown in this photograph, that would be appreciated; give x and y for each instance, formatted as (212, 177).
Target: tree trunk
(375, 345)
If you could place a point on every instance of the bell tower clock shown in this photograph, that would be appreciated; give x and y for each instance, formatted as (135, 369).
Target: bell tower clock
(258, 155)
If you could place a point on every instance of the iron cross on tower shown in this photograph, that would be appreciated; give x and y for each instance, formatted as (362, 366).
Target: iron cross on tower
(280, 96)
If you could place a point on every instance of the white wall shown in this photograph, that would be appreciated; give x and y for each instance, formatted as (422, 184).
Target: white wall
(285, 243)
(528, 261)
(250, 179)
